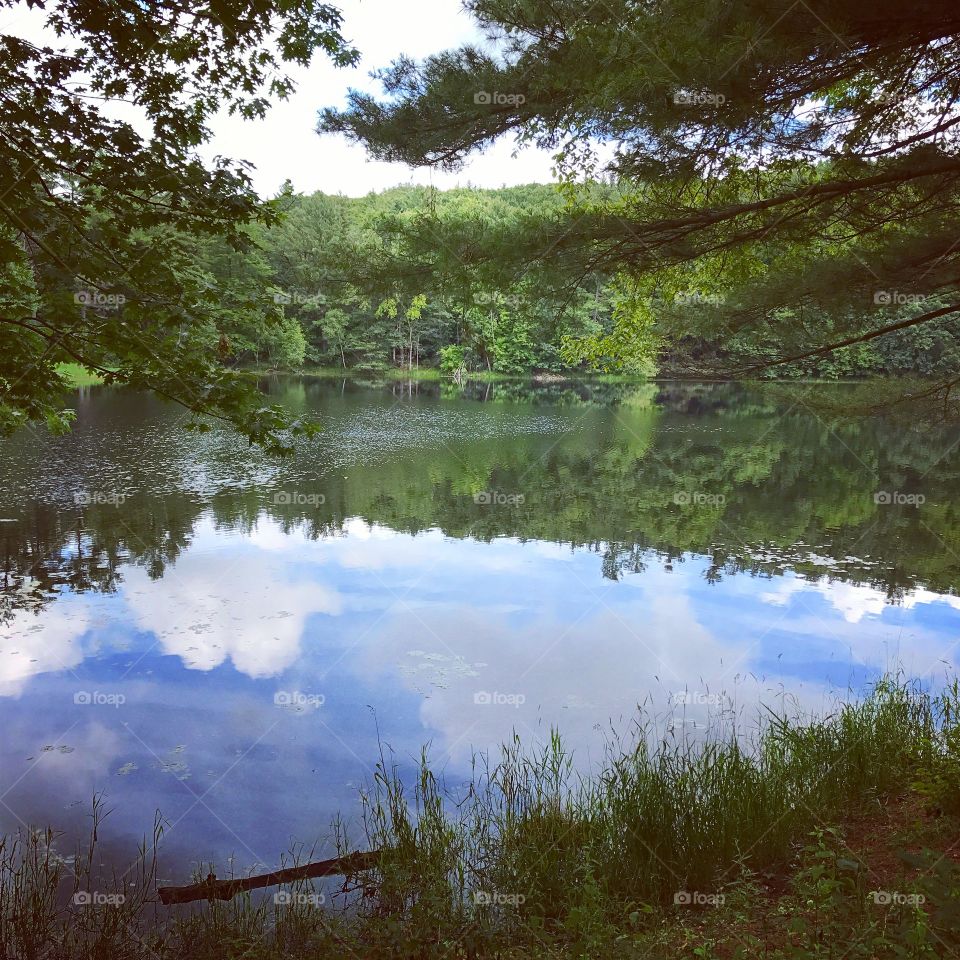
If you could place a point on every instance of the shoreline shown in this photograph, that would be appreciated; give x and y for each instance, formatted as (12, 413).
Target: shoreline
(825, 831)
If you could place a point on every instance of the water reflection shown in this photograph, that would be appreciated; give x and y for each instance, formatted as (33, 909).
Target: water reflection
(194, 627)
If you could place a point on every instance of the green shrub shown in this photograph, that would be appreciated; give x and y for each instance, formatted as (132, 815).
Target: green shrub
(452, 358)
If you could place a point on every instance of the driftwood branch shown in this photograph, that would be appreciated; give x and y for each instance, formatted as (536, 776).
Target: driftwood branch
(214, 889)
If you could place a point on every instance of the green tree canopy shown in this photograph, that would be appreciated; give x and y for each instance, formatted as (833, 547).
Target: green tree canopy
(99, 224)
(781, 172)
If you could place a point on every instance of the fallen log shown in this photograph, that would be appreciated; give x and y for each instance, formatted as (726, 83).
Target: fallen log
(214, 889)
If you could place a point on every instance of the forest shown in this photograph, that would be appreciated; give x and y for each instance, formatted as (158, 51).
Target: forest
(332, 285)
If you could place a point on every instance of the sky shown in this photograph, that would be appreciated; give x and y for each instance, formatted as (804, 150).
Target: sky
(285, 144)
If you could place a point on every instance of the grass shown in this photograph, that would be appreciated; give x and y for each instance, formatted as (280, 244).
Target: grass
(733, 846)
(77, 375)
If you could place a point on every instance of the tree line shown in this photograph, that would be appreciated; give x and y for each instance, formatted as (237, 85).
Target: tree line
(335, 282)
(326, 289)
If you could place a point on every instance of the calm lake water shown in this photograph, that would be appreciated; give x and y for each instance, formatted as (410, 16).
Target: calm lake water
(191, 626)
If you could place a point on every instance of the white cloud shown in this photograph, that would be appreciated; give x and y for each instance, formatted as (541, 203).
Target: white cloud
(44, 643)
(578, 675)
(854, 601)
(285, 145)
(240, 603)
(90, 747)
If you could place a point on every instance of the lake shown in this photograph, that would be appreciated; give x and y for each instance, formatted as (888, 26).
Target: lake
(192, 626)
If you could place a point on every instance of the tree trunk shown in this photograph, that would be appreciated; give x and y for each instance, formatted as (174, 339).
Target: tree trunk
(214, 889)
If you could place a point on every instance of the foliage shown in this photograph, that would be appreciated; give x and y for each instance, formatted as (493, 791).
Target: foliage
(99, 225)
(781, 175)
(939, 775)
(452, 358)
(340, 268)
(781, 195)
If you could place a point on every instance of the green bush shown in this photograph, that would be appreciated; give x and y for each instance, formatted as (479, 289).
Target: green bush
(452, 358)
